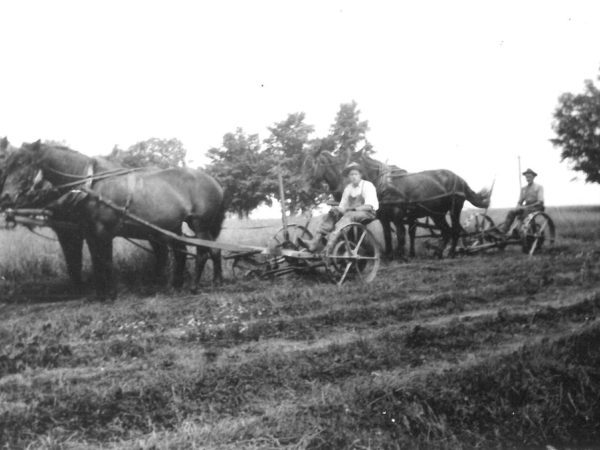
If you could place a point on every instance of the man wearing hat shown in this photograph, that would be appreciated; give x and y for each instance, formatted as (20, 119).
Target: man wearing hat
(530, 200)
(359, 203)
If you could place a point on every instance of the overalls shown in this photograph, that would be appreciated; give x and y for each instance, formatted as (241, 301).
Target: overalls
(333, 221)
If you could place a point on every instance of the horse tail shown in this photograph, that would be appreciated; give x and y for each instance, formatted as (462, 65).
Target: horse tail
(479, 199)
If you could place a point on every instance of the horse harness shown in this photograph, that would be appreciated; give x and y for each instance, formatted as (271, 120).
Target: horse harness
(84, 185)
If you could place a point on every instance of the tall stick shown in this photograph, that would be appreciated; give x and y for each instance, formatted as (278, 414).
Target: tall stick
(284, 221)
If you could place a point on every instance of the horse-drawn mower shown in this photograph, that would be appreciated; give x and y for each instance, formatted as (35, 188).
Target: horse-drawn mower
(531, 232)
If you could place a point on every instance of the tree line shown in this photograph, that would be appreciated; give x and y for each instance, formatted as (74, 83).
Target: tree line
(247, 167)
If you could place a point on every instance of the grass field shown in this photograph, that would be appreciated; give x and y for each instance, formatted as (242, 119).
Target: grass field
(488, 351)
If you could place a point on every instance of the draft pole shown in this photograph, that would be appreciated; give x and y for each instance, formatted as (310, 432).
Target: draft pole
(284, 221)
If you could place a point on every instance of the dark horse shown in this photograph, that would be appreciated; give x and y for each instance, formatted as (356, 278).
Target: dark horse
(403, 197)
(165, 198)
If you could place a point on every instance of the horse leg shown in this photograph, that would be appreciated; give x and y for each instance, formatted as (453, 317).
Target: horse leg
(387, 234)
(456, 227)
(161, 253)
(101, 251)
(202, 254)
(412, 234)
(440, 222)
(71, 243)
(180, 257)
(215, 255)
(400, 236)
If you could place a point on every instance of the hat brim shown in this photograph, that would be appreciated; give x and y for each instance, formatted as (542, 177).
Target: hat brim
(530, 172)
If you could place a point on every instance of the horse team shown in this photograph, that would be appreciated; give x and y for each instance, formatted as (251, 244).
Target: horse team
(78, 189)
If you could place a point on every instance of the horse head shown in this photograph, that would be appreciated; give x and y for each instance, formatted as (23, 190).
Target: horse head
(381, 174)
(322, 171)
(21, 174)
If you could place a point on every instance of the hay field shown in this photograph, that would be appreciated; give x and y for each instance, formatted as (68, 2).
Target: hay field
(488, 351)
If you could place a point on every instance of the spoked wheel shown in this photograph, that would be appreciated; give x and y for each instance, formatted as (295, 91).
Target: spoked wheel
(538, 228)
(289, 240)
(476, 229)
(352, 254)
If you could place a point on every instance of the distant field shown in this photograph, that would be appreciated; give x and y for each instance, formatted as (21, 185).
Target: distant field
(489, 351)
(25, 256)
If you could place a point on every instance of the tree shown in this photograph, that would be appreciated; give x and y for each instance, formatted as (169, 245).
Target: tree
(577, 127)
(286, 150)
(242, 171)
(163, 153)
(55, 142)
(349, 131)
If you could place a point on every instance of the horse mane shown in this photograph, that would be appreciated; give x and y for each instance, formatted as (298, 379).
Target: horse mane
(60, 147)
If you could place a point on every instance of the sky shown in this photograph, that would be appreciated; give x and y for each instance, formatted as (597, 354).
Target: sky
(470, 86)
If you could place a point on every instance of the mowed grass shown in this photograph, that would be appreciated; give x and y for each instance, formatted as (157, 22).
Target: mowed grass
(491, 351)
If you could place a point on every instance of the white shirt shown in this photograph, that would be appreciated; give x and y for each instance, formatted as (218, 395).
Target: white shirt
(365, 189)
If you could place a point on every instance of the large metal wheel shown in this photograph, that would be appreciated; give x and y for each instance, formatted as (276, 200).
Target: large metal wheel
(537, 229)
(289, 240)
(352, 253)
(477, 228)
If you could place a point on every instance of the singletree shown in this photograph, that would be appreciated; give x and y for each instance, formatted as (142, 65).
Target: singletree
(577, 127)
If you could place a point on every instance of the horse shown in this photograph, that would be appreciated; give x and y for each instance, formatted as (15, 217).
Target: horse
(165, 198)
(405, 197)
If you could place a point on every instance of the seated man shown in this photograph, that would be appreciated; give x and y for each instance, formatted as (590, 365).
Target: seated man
(359, 203)
(530, 200)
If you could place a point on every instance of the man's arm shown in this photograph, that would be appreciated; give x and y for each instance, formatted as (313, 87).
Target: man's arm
(344, 201)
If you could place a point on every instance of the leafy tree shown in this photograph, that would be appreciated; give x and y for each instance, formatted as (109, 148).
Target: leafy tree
(4, 145)
(242, 171)
(163, 153)
(56, 142)
(577, 127)
(349, 131)
(286, 150)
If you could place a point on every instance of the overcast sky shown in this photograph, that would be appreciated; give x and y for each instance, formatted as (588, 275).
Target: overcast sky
(461, 85)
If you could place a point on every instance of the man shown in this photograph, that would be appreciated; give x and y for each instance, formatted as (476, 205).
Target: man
(359, 203)
(530, 200)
